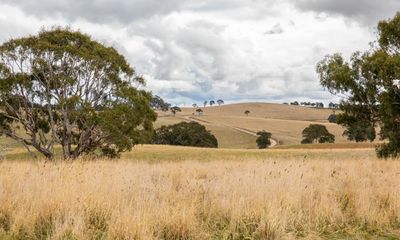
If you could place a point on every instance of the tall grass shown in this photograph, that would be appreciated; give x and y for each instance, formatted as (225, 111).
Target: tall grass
(271, 198)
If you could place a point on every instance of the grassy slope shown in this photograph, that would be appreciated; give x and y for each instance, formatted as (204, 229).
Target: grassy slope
(285, 122)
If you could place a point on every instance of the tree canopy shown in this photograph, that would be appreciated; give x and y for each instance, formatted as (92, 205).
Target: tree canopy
(368, 82)
(159, 104)
(185, 134)
(175, 109)
(317, 133)
(264, 139)
(60, 87)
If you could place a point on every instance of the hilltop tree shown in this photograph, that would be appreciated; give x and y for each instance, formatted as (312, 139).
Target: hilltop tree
(369, 82)
(316, 133)
(220, 102)
(199, 111)
(212, 102)
(159, 104)
(264, 139)
(175, 109)
(194, 105)
(247, 112)
(205, 103)
(60, 87)
(186, 134)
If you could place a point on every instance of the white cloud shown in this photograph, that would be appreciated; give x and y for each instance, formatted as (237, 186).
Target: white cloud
(192, 50)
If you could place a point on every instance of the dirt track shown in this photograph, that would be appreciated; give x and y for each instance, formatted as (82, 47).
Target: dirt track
(274, 142)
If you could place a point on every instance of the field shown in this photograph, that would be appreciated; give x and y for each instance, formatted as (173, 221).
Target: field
(189, 193)
(291, 191)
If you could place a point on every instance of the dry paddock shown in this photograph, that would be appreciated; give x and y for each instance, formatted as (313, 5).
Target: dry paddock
(278, 197)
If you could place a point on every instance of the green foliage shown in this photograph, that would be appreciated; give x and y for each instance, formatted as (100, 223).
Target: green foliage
(159, 104)
(185, 134)
(264, 139)
(63, 88)
(369, 82)
(316, 133)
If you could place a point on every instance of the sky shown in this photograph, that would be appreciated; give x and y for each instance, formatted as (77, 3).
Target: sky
(190, 51)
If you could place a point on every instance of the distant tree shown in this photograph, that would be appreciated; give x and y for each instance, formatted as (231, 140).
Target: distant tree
(332, 118)
(247, 112)
(220, 102)
(212, 102)
(316, 133)
(319, 105)
(264, 139)
(194, 105)
(62, 88)
(205, 103)
(285, 103)
(175, 109)
(159, 104)
(199, 111)
(185, 134)
(295, 103)
(333, 105)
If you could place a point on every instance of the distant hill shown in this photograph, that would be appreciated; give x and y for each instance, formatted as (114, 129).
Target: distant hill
(229, 123)
(266, 110)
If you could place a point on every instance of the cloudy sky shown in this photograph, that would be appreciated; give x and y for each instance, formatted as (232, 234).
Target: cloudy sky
(195, 50)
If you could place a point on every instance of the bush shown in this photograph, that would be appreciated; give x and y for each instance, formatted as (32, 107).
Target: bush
(185, 134)
(263, 140)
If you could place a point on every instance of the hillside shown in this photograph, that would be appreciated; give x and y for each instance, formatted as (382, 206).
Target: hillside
(266, 110)
(229, 123)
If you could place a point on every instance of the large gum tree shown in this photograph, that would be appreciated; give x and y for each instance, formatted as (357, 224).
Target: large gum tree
(61, 89)
(370, 85)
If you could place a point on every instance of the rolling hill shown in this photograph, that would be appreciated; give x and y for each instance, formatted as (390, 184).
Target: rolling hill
(234, 129)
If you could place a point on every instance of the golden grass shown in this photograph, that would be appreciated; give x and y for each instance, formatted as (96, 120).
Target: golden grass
(265, 110)
(208, 194)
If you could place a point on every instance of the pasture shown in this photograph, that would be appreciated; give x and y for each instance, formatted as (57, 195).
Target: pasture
(161, 192)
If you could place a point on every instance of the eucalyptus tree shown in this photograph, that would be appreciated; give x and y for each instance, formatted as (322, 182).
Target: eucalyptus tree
(62, 88)
(369, 83)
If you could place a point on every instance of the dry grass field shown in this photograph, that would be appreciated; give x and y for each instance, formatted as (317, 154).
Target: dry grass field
(158, 192)
(292, 191)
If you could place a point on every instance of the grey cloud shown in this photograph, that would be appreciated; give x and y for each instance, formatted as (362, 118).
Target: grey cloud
(104, 11)
(364, 11)
(276, 29)
(126, 11)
